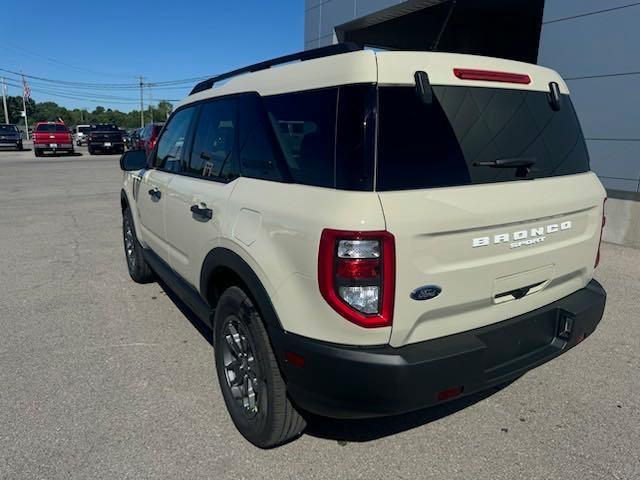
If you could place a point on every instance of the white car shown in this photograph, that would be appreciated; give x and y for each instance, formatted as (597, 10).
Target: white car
(371, 233)
(81, 134)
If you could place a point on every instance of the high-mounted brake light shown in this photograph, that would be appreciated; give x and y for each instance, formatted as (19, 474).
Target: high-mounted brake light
(356, 275)
(491, 76)
(604, 222)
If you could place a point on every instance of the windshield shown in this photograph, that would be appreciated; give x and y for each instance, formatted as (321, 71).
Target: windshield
(51, 127)
(8, 129)
(471, 135)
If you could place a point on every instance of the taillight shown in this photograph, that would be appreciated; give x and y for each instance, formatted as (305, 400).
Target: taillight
(152, 143)
(491, 76)
(356, 275)
(604, 222)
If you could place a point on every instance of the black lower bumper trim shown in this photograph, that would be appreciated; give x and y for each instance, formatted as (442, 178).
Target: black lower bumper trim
(363, 382)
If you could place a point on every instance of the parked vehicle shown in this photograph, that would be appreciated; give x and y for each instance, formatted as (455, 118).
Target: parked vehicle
(149, 136)
(52, 137)
(133, 141)
(10, 136)
(371, 233)
(105, 138)
(81, 134)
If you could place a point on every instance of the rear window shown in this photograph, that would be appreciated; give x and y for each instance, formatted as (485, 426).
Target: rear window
(51, 127)
(84, 129)
(104, 127)
(8, 128)
(459, 137)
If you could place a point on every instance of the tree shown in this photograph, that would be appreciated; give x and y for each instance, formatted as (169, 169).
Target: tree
(51, 111)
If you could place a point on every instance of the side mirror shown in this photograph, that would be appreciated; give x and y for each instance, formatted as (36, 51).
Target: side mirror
(133, 160)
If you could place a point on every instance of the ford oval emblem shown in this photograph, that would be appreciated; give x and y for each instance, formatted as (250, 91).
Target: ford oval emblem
(426, 293)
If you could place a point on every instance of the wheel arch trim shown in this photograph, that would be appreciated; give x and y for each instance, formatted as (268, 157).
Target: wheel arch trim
(221, 257)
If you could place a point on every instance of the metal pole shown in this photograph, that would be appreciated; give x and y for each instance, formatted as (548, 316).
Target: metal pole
(4, 102)
(26, 123)
(150, 103)
(141, 104)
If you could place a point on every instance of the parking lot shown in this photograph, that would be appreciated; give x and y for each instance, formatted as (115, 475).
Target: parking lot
(104, 378)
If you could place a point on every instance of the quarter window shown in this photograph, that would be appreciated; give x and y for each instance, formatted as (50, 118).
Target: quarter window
(173, 142)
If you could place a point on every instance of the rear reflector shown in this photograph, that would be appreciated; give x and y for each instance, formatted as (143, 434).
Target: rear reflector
(490, 76)
(449, 394)
(294, 359)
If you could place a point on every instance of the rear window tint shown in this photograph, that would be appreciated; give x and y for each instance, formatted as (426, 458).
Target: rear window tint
(442, 144)
(51, 127)
(104, 127)
(8, 128)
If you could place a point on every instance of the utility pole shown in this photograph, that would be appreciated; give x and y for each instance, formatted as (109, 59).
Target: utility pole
(141, 103)
(4, 101)
(150, 102)
(26, 122)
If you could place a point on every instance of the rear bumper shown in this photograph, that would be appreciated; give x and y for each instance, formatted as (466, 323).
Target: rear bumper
(356, 382)
(101, 145)
(48, 146)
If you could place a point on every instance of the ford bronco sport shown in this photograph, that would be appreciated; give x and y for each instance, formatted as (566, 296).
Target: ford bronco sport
(371, 233)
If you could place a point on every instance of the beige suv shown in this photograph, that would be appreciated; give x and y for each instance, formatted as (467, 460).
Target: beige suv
(371, 233)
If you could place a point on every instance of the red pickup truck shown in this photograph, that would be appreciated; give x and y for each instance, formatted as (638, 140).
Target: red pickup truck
(51, 137)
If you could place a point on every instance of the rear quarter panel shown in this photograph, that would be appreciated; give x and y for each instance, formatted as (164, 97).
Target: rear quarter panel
(276, 229)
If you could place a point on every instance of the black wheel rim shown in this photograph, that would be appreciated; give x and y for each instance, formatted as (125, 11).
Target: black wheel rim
(241, 369)
(129, 244)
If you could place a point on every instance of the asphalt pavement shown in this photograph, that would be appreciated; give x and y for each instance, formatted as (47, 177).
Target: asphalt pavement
(103, 378)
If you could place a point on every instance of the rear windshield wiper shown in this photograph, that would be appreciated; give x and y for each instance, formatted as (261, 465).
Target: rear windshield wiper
(522, 165)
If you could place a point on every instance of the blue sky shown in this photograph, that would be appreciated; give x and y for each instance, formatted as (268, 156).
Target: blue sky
(114, 41)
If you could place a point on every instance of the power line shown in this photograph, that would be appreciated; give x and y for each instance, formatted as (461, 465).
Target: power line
(109, 86)
(11, 46)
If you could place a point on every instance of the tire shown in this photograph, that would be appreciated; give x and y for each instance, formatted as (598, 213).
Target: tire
(267, 419)
(91, 151)
(38, 152)
(138, 267)
(20, 147)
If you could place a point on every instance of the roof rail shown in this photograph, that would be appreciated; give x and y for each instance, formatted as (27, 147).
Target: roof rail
(300, 56)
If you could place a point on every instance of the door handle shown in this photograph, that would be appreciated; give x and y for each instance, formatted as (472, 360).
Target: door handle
(155, 193)
(202, 214)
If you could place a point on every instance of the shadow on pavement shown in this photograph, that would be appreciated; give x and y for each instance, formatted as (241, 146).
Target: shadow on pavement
(345, 431)
(198, 324)
(373, 429)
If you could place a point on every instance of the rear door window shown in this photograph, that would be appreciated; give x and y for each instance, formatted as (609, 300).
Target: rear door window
(305, 125)
(259, 156)
(214, 146)
(459, 137)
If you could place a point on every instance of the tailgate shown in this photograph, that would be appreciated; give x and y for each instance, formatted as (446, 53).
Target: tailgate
(495, 250)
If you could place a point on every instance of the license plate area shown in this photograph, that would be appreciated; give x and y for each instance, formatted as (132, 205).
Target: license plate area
(107, 144)
(53, 145)
(512, 342)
